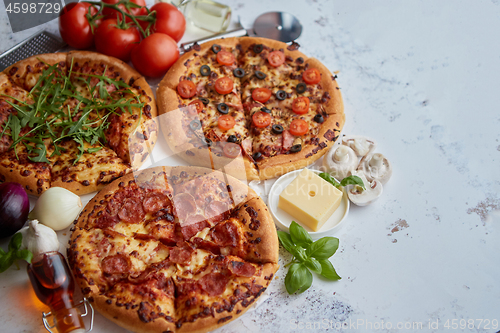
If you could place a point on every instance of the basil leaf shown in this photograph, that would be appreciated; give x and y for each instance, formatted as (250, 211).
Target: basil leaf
(299, 235)
(326, 176)
(286, 241)
(299, 253)
(298, 279)
(6, 261)
(15, 242)
(323, 248)
(24, 255)
(328, 271)
(353, 180)
(314, 265)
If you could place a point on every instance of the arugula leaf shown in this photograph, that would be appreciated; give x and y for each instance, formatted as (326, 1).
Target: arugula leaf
(299, 235)
(13, 254)
(307, 256)
(328, 271)
(323, 248)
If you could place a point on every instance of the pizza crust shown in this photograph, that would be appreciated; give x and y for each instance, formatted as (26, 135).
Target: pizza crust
(242, 167)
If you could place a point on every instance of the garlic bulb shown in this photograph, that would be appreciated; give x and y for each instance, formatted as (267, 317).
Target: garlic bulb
(38, 238)
(57, 208)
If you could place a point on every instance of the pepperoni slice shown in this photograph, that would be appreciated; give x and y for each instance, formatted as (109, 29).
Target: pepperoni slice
(242, 268)
(205, 245)
(214, 284)
(106, 221)
(131, 211)
(181, 254)
(155, 202)
(192, 229)
(184, 205)
(215, 211)
(225, 234)
(116, 264)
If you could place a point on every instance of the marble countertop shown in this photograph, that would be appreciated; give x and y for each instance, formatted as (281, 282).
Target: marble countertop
(421, 78)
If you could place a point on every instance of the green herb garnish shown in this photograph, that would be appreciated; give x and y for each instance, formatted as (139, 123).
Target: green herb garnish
(351, 180)
(60, 111)
(307, 256)
(8, 258)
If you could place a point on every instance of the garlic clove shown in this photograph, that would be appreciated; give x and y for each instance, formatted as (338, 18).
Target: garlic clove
(38, 238)
(57, 208)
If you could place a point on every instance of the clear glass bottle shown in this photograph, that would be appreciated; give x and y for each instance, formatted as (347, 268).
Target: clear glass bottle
(54, 286)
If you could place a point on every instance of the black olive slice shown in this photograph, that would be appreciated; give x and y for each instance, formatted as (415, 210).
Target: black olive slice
(223, 108)
(258, 48)
(239, 72)
(257, 156)
(301, 88)
(296, 148)
(232, 138)
(204, 100)
(195, 125)
(260, 75)
(264, 109)
(281, 95)
(319, 118)
(205, 70)
(277, 129)
(208, 142)
(216, 48)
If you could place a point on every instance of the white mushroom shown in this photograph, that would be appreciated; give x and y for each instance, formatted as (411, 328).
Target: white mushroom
(376, 167)
(361, 197)
(360, 144)
(340, 162)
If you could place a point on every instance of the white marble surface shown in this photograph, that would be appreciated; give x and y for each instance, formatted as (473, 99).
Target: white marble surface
(421, 78)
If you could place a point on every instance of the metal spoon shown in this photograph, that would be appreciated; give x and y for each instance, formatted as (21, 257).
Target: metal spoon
(275, 25)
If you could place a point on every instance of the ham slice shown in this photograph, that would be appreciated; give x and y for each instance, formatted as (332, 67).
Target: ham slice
(288, 139)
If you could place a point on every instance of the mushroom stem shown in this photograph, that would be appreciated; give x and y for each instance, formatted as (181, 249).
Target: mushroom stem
(341, 154)
(377, 160)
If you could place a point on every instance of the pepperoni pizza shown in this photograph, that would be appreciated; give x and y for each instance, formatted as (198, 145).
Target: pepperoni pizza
(174, 249)
(76, 120)
(253, 107)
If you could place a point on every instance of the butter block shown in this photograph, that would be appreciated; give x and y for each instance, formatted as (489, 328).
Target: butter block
(310, 199)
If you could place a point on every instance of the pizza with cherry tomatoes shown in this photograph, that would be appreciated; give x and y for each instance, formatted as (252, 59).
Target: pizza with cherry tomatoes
(276, 109)
(174, 249)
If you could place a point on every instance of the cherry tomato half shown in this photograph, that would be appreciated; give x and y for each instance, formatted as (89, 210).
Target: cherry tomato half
(196, 107)
(224, 85)
(300, 105)
(232, 150)
(226, 122)
(225, 58)
(74, 27)
(186, 89)
(116, 42)
(169, 20)
(113, 13)
(311, 76)
(261, 119)
(276, 58)
(261, 94)
(155, 54)
(298, 127)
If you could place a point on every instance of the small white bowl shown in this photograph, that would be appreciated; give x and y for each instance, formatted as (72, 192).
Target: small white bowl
(283, 220)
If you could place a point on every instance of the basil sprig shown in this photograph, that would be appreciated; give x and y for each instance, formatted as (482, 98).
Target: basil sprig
(13, 254)
(351, 180)
(307, 256)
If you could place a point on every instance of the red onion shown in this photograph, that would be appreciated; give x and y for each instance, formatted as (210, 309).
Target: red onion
(14, 208)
